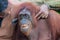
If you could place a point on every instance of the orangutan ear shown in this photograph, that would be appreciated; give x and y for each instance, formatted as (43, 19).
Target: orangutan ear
(14, 21)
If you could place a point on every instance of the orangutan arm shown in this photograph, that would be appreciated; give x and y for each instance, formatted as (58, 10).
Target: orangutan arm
(44, 30)
(6, 30)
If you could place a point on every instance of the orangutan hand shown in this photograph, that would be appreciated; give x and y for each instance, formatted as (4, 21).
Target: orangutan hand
(43, 13)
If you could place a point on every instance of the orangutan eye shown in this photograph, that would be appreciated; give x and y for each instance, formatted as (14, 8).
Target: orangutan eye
(26, 16)
(21, 16)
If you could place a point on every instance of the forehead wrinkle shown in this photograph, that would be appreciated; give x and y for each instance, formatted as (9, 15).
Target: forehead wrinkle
(25, 11)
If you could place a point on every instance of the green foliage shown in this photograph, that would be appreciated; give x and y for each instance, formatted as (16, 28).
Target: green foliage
(58, 11)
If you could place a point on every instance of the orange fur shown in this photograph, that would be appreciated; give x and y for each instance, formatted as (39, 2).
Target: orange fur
(7, 28)
(42, 29)
(54, 23)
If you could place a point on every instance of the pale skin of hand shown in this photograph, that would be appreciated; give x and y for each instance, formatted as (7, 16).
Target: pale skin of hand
(43, 13)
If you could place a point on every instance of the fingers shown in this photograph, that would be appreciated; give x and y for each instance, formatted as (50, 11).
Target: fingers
(38, 14)
(41, 16)
(44, 11)
(46, 16)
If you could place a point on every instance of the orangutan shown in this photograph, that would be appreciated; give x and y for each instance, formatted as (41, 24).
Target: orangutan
(53, 21)
(7, 22)
(29, 28)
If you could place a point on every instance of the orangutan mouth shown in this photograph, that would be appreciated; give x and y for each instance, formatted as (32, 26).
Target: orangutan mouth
(24, 28)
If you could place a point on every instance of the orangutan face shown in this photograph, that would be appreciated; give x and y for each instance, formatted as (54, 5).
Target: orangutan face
(25, 22)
